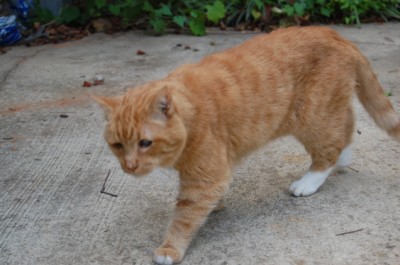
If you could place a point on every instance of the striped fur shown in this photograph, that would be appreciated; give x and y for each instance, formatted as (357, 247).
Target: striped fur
(203, 118)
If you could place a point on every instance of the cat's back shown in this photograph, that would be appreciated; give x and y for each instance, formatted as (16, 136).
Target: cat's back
(266, 62)
(246, 93)
(291, 51)
(308, 40)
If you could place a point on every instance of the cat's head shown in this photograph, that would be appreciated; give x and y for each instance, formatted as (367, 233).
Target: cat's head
(144, 129)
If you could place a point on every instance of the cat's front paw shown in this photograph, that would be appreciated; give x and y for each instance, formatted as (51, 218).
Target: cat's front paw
(167, 256)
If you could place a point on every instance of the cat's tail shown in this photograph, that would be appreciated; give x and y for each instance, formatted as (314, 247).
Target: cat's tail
(374, 100)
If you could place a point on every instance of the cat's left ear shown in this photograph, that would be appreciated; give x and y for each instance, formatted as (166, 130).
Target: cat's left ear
(108, 103)
(164, 102)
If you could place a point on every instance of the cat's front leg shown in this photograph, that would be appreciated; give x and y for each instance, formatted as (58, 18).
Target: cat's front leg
(197, 199)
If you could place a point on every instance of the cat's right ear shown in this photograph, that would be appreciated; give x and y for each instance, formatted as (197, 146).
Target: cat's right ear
(107, 103)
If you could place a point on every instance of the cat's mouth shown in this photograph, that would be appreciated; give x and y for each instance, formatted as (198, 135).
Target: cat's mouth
(138, 172)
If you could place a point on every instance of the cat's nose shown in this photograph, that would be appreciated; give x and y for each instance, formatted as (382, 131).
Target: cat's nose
(132, 165)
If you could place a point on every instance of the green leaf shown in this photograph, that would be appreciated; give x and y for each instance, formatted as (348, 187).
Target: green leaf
(289, 10)
(325, 11)
(100, 3)
(91, 11)
(256, 14)
(197, 27)
(83, 18)
(131, 13)
(43, 15)
(115, 9)
(216, 11)
(388, 93)
(309, 4)
(148, 7)
(180, 20)
(158, 25)
(258, 3)
(165, 10)
(69, 14)
(299, 8)
(196, 14)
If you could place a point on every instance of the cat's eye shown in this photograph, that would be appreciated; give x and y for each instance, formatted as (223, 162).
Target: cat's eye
(145, 143)
(117, 146)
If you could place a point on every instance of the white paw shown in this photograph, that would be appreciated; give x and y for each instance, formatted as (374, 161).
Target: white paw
(303, 188)
(164, 260)
(309, 183)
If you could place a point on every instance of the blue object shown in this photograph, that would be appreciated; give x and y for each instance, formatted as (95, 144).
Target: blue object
(21, 8)
(9, 26)
(9, 33)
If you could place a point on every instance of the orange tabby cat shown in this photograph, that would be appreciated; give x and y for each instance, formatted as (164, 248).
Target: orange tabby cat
(203, 118)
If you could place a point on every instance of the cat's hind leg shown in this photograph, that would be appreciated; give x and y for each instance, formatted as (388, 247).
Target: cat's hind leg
(346, 154)
(344, 158)
(329, 147)
(309, 183)
(325, 156)
(313, 179)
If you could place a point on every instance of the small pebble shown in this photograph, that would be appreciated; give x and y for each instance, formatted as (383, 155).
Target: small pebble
(87, 84)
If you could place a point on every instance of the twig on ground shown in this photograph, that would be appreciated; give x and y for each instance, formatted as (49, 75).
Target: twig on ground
(350, 232)
(353, 169)
(40, 32)
(104, 186)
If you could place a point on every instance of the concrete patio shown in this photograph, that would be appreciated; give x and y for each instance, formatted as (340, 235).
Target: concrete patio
(54, 161)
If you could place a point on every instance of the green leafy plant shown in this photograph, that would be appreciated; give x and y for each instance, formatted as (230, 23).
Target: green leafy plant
(216, 11)
(196, 15)
(354, 9)
(157, 21)
(42, 15)
(197, 23)
(68, 14)
(246, 11)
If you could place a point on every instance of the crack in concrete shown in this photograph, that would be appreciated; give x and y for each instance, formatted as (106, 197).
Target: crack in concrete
(8, 73)
(17, 64)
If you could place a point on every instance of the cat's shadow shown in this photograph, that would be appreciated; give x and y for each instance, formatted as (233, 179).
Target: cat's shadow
(260, 197)
(255, 196)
